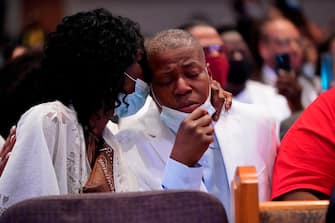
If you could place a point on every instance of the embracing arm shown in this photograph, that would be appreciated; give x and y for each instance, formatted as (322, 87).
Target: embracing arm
(7, 148)
(219, 98)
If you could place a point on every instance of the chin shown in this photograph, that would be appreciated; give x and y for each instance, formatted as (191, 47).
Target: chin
(189, 108)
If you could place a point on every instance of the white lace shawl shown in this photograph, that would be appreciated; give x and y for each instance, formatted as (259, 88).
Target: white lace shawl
(49, 157)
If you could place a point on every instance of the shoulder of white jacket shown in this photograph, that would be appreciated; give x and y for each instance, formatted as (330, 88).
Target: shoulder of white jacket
(247, 111)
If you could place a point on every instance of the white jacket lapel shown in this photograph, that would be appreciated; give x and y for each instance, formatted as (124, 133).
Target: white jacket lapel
(226, 136)
(161, 138)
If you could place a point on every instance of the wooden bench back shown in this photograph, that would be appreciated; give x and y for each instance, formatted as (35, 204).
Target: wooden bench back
(248, 209)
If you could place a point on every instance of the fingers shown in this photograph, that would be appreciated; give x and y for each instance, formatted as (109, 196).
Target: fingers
(220, 98)
(12, 130)
(288, 86)
(286, 75)
(228, 99)
(224, 100)
(197, 114)
(194, 135)
(217, 113)
(200, 119)
(3, 163)
(200, 122)
(215, 85)
(7, 149)
(203, 121)
(9, 143)
(208, 131)
(287, 82)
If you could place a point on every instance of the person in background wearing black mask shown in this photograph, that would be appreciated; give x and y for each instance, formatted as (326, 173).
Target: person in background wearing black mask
(239, 71)
(241, 65)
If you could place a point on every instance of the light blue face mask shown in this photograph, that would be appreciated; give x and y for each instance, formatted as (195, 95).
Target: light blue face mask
(173, 118)
(135, 100)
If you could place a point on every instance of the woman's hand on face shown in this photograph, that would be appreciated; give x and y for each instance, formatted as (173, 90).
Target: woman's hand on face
(7, 148)
(219, 98)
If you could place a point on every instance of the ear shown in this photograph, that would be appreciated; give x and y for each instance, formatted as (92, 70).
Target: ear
(153, 95)
(209, 72)
(150, 89)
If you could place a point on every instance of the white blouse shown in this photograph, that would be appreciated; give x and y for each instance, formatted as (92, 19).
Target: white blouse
(49, 156)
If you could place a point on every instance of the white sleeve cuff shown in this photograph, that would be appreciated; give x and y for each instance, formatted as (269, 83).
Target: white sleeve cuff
(179, 176)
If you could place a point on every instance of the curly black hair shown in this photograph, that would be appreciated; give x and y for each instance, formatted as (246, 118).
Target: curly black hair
(84, 60)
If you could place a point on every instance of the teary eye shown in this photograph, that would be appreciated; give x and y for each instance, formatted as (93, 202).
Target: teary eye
(193, 71)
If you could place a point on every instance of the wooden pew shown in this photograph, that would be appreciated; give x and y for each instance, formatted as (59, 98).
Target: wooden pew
(248, 209)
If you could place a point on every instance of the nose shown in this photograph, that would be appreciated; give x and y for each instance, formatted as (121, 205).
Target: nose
(182, 86)
(294, 46)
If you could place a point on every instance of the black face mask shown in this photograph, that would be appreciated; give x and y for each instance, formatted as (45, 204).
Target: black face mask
(239, 71)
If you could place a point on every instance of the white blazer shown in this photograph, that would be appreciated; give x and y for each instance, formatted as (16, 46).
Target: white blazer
(246, 137)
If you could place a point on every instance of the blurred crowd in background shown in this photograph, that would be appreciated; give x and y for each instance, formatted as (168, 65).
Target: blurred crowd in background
(38, 18)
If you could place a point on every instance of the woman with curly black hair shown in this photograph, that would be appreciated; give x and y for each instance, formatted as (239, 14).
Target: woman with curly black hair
(62, 145)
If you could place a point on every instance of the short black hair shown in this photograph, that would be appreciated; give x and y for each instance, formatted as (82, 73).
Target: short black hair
(84, 60)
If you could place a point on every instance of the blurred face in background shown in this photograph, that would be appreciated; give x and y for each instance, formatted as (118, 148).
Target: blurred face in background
(134, 71)
(239, 57)
(233, 40)
(281, 36)
(213, 47)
